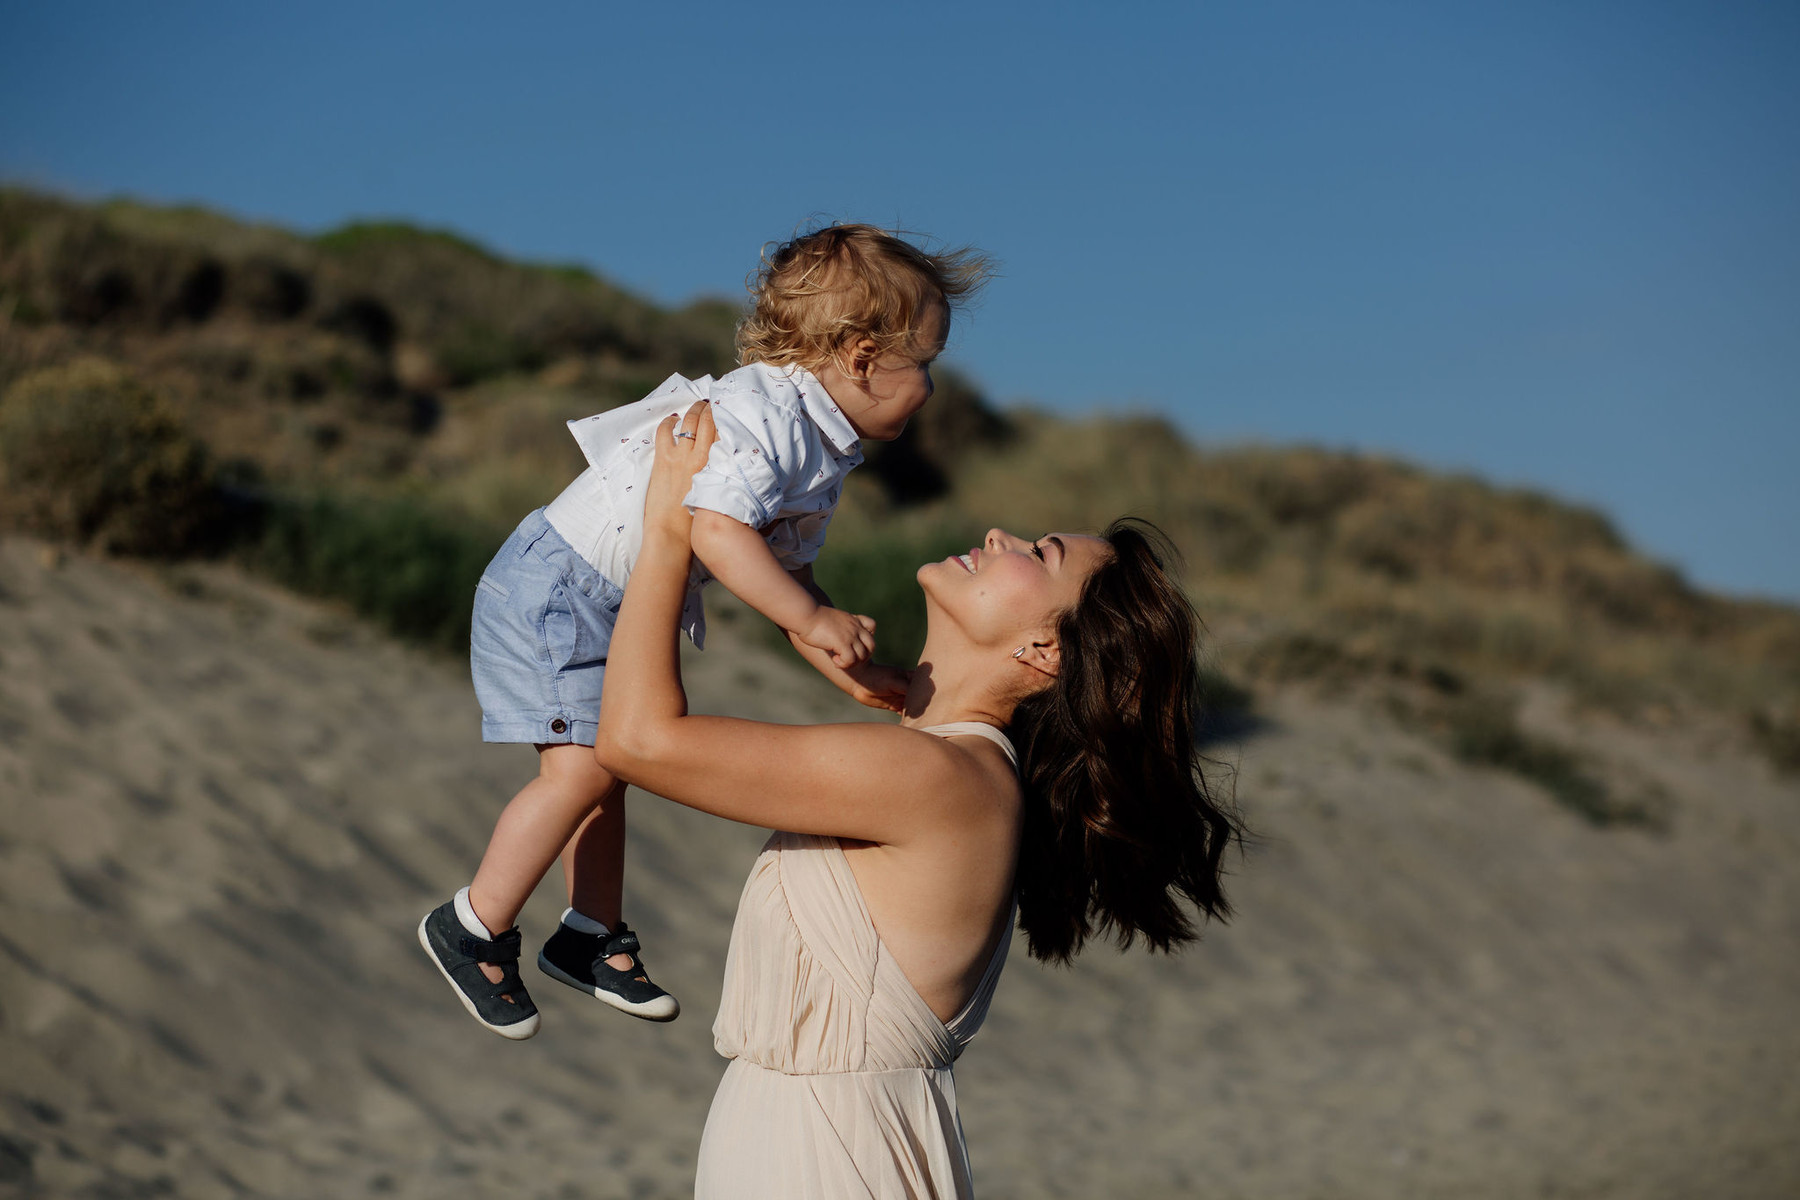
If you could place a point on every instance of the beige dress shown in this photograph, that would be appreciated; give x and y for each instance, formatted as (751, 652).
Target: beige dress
(840, 1084)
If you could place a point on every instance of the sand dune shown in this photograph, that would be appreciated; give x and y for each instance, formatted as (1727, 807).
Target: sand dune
(222, 811)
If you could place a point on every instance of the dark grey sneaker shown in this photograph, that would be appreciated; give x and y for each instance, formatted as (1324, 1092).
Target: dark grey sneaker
(579, 960)
(503, 1007)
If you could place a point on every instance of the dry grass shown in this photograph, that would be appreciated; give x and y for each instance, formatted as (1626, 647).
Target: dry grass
(1345, 566)
(88, 455)
(392, 362)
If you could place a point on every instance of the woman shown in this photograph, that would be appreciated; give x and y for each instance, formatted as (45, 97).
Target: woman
(872, 931)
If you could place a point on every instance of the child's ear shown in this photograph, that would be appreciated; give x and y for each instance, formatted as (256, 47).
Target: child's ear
(860, 358)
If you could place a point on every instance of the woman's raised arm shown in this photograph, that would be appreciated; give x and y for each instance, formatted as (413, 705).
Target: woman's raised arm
(878, 783)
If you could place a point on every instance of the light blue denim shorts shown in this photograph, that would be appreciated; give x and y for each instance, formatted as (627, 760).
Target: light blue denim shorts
(537, 646)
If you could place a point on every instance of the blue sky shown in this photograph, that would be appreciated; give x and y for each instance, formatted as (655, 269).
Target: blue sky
(1553, 244)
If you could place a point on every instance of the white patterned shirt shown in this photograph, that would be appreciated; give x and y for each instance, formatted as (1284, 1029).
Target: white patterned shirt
(784, 449)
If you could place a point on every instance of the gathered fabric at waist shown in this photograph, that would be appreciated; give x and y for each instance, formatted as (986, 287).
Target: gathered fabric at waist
(887, 1134)
(922, 1068)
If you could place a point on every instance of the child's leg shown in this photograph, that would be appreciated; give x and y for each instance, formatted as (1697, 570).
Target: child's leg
(594, 861)
(594, 866)
(534, 828)
(594, 869)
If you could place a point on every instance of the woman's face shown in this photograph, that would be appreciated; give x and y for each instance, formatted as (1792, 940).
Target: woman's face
(1009, 588)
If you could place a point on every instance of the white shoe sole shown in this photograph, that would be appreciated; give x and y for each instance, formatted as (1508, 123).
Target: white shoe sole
(663, 1008)
(518, 1031)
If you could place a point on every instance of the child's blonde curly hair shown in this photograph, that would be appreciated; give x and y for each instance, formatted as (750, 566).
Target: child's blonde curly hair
(823, 291)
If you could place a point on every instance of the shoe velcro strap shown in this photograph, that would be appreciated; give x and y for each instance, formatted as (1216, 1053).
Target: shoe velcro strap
(502, 950)
(623, 942)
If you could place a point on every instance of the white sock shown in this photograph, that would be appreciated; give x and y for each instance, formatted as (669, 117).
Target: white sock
(465, 912)
(582, 923)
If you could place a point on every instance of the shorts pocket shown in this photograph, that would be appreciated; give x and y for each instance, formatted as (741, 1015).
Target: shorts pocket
(578, 626)
(561, 629)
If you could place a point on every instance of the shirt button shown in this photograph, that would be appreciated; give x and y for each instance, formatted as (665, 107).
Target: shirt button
(559, 726)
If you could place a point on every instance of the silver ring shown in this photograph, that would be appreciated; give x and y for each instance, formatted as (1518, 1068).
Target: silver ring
(687, 435)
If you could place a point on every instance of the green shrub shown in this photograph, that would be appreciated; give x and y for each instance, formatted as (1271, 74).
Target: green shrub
(1226, 708)
(875, 575)
(89, 455)
(475, 351)
(1777, 735)
(397, 561)
(1485, 731)
(1220, 694)
(401, 235)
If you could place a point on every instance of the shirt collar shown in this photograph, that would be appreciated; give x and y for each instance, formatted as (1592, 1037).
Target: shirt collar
(823, 410)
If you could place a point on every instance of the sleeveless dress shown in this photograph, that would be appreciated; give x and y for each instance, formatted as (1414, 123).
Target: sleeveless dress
(840, 1084)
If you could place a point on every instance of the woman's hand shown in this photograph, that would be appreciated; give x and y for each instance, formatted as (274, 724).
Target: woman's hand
(682, 445)
(878, 685)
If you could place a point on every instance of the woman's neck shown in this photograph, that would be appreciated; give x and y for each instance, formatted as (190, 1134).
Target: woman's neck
(952, 687)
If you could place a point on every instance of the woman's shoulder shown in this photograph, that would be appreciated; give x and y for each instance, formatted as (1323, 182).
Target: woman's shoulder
(946, 760)
(975, 765)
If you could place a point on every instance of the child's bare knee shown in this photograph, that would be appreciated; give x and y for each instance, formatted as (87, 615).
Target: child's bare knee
(573, 766)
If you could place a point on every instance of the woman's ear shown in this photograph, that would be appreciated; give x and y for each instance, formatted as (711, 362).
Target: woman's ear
(1043, 655)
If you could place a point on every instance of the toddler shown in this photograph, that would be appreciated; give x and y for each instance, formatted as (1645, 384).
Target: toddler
(837, 348)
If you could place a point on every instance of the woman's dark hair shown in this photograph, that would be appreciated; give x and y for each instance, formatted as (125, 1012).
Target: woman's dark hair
(1119, 823)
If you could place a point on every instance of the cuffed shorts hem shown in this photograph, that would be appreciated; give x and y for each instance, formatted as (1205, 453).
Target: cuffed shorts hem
(538, 729)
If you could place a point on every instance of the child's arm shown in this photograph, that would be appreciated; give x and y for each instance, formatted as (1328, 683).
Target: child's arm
(877, 685)
(738, 557)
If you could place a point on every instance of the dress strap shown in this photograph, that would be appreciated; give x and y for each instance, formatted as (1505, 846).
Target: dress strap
(977, 729)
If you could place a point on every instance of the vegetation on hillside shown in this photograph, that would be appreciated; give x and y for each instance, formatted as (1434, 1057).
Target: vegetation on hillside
(366, 412)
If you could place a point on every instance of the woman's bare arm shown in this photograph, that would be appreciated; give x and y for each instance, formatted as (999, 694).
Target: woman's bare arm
(878, 783)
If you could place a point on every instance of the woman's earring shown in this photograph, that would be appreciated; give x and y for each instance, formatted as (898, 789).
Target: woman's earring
(1019, 653)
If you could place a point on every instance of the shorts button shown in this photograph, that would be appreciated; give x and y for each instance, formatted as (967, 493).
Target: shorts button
(559, 726)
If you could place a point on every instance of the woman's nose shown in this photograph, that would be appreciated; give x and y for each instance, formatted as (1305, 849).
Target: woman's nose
(998, 539)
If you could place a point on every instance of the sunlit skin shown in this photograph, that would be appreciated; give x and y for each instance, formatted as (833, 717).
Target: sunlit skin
(880, 393)
(930, 825)
(991, 612)
(573, 800)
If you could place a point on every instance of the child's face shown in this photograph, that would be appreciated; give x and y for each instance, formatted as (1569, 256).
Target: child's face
(880, 395)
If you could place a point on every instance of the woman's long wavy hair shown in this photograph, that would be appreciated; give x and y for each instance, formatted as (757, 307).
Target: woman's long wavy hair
(1120, 826)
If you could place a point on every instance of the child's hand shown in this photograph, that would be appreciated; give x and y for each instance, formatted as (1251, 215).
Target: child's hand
(877, 685)
(848, 638)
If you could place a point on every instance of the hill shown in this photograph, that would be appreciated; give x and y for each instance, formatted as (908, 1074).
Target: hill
(382, 383)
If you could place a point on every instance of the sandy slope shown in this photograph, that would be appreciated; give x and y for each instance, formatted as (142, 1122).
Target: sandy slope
(223, 810)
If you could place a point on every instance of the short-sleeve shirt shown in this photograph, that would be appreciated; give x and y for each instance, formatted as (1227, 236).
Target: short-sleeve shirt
(779, 465)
